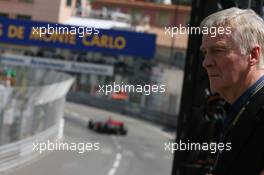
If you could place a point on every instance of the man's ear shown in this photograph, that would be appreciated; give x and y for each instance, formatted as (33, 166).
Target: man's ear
(254, 56)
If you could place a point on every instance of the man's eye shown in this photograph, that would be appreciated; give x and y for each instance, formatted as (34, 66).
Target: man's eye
(204, 52)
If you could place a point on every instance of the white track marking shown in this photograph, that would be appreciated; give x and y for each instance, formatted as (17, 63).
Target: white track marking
(116, 164)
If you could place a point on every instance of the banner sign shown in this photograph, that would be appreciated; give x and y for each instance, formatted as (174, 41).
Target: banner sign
(46, 63)
(114, 42)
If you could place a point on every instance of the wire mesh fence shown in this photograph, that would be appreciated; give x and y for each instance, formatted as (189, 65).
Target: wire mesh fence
(31, 105)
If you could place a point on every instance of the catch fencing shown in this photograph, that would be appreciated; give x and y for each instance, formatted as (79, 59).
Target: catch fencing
(30, 111)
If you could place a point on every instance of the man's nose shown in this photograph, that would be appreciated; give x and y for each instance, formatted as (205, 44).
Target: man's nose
(208, 61)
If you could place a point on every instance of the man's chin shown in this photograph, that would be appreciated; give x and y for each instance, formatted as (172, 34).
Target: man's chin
(215, 88)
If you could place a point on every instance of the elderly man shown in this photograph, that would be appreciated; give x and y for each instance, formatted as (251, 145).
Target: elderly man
(233, 62)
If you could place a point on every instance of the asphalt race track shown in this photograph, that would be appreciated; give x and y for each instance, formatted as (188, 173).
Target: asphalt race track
(141, 152)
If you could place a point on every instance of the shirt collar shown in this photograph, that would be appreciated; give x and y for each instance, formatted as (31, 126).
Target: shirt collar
(234, 109)
(237, 105)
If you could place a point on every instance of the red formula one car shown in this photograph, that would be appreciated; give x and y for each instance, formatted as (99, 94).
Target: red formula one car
(109, 126)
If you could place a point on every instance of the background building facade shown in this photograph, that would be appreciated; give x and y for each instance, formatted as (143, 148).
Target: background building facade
(38, 10)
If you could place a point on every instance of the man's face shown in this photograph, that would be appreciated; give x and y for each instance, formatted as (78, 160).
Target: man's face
(224, 63)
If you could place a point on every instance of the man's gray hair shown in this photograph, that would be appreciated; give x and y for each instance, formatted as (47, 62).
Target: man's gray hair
(247, 27)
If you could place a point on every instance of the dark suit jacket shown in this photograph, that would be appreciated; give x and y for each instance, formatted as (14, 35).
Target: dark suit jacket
(247, 138)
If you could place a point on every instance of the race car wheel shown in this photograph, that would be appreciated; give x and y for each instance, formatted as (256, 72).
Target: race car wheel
(123, 131)
(90, 124)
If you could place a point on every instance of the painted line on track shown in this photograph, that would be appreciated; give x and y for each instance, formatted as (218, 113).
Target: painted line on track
(116, 164)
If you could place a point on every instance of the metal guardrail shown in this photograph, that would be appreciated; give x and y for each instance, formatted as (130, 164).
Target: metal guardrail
(17, 153)
(124, 107)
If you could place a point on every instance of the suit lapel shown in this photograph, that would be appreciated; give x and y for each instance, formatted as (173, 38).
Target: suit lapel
(245, 127)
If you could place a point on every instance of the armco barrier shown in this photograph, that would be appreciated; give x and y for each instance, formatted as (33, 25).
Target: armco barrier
(31, 111)
(123, 107)
(19, 152)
